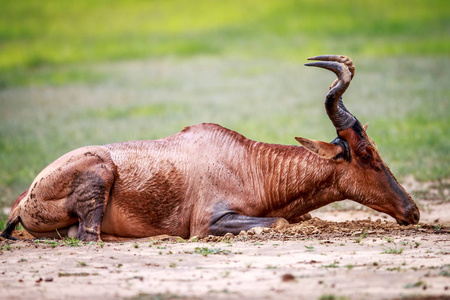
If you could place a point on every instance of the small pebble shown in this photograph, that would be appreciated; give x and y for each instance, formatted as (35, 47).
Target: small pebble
(287, 277)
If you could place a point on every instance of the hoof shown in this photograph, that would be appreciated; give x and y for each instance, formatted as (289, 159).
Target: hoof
(280, 224)
(305, 217)
(73, 231)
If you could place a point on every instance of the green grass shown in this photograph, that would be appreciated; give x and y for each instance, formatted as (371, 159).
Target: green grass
(3, 219)
(72, 242)
(332, 297)
(205, 251)
(362, 236)
(393, 250)
(81, 264)
(309, 248)
(52, 243)
(335, 264)
(35, 35)
(85, 72)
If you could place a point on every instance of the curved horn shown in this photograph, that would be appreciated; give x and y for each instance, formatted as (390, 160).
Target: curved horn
(343, 67)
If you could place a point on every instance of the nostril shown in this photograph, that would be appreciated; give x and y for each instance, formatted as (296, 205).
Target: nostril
(416, 216)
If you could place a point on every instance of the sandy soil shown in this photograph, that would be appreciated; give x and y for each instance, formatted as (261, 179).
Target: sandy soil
(369, 257)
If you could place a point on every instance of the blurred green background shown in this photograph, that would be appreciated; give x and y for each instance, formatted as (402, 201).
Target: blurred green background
(74, 73)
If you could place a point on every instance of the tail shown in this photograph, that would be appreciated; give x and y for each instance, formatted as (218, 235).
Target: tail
(13, 219)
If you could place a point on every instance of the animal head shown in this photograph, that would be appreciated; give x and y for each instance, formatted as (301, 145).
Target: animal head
(363, 176)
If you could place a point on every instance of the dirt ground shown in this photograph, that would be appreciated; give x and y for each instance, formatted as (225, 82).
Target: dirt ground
(342, 253)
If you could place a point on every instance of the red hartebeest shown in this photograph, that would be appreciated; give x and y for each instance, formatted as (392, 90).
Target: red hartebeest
(211, 180)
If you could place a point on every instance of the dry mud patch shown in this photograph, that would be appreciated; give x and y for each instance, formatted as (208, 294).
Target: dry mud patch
(344, 252)
(317, 259)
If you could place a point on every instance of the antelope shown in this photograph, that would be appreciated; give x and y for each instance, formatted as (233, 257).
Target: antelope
(209, 180)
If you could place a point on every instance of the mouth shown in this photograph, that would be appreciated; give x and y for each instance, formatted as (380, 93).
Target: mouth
(413, 219)
(408, 216)
(403, 222)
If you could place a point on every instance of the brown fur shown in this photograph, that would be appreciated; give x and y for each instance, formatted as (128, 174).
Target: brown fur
(204, 180)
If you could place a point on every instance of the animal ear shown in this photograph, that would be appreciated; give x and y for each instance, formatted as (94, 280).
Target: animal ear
(322, 149)
(366, 126)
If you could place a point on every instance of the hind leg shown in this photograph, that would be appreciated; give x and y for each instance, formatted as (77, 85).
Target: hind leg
(74, 188)
(89, 200)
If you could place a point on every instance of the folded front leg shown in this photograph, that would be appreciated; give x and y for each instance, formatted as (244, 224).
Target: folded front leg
(235, 223)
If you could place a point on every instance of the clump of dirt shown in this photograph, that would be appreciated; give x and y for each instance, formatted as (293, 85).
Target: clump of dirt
(20, 235)
(315, 227)
(323, 229)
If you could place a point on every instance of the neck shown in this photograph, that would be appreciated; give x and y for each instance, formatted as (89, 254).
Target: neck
(294, 181)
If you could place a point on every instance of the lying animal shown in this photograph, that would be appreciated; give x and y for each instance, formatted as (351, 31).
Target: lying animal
(210, 180)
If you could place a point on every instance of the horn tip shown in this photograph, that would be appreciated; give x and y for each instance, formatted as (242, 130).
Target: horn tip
(317, 57)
